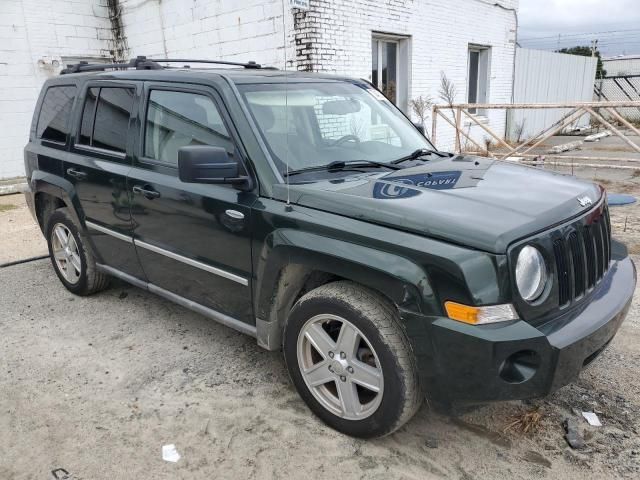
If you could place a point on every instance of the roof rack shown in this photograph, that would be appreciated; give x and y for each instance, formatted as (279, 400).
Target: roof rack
(144, 63)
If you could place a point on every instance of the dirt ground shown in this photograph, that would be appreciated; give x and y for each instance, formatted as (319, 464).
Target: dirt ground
(20, 236)
(98, 385)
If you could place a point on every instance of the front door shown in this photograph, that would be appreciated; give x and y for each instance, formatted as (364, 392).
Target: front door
(98, 165)
(192, 239)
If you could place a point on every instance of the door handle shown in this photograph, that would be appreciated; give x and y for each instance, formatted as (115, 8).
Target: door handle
(146, 191)
(80, 175)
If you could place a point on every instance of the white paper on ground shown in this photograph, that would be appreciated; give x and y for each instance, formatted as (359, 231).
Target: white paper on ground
(169, 453)
(592, 418)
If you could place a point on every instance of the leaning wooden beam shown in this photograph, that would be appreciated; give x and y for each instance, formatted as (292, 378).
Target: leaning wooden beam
(540, 134)
(463, 133)
(515, 106)
(489, 131)
(434, 124)
(623, 121)
(578, 113)
(612, 128)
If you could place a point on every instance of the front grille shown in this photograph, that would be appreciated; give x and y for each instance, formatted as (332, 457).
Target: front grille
(582, 254)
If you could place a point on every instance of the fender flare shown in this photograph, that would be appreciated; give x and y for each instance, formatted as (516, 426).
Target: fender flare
(59, 187)
(289, 256)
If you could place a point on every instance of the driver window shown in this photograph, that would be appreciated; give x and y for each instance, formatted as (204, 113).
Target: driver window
(178, 119)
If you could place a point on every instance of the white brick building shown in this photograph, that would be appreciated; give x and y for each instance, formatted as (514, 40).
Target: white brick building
(411, 41)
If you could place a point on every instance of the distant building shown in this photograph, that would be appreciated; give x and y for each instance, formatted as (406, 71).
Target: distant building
(622, 65)
(402, 46)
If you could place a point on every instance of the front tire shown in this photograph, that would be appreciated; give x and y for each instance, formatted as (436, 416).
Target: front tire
(71, 257)
(351, 361)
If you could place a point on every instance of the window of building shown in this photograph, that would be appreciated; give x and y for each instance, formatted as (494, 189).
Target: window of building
(390, 67)
(179, 119)
(478, 75)
(53, 121)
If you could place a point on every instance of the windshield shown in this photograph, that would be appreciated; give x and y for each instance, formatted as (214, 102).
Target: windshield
(313, 124)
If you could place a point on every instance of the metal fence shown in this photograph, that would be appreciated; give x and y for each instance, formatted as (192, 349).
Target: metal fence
(620, 88)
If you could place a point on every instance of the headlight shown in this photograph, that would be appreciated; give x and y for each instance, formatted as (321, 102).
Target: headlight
(531, 273)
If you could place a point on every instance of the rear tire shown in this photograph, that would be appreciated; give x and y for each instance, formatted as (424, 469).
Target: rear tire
(71, 257)
(351, 361)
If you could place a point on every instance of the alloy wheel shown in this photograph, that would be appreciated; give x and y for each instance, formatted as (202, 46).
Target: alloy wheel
(66, 253)
(340, 367)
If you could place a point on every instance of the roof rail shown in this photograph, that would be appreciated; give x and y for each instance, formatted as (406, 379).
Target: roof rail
(249, 64)
(144, 63)
(139, 63)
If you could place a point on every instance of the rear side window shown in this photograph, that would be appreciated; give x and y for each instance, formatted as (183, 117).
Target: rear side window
(88, 113)
(53, 121)
(178, 119)
(105, 118)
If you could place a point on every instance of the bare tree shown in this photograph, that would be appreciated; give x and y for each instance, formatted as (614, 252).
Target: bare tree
(421, 107)
(447, 94)
(518, 131)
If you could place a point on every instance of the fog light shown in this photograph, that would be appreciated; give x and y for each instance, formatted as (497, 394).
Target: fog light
(520, 366)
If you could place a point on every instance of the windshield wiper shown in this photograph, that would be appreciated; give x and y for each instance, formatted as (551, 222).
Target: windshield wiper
(421, 152)
(341, 165)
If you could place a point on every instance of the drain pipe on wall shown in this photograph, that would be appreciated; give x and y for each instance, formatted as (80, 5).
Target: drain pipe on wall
(515, 47)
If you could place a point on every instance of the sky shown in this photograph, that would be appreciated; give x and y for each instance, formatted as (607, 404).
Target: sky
(547, 24)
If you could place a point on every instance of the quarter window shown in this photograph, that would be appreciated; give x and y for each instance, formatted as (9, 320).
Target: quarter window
(53, 121)
(178, 119)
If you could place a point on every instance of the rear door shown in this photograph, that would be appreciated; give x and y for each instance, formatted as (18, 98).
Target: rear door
(101, 157)
(192, 239)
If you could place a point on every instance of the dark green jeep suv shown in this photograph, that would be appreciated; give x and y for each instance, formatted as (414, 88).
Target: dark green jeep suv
(307, 211)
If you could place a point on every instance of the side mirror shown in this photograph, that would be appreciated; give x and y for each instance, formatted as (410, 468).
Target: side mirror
(207, 164)
(419, 127)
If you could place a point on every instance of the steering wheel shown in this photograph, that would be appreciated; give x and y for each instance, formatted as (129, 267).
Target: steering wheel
(346, 138)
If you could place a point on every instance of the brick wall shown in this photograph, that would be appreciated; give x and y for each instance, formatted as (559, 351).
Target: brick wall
(221, 29)
(334, 36)
(33, 31)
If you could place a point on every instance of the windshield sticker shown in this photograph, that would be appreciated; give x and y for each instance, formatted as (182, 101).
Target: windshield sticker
(377, 95)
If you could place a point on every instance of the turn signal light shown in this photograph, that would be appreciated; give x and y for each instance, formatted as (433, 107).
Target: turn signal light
(480, 315)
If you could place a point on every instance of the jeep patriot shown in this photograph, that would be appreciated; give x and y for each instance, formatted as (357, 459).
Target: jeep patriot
(307, 211)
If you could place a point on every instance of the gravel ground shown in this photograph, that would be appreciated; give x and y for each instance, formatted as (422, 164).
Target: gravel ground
(97, 385)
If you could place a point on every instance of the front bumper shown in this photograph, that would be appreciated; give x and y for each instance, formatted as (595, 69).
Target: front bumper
(517, 360)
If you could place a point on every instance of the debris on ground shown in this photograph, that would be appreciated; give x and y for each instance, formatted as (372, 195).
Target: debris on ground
(574, 439)
(597, 136)
(592, 418)
(169, 453)
(525, 423)
(566, 147)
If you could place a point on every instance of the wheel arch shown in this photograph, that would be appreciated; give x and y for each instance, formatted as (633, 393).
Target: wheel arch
(294, 262)
(51, 192)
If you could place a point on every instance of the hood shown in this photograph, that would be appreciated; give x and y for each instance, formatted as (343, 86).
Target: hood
(473, 201)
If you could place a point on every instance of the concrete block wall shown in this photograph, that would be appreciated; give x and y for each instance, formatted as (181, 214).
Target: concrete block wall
(34, 34)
